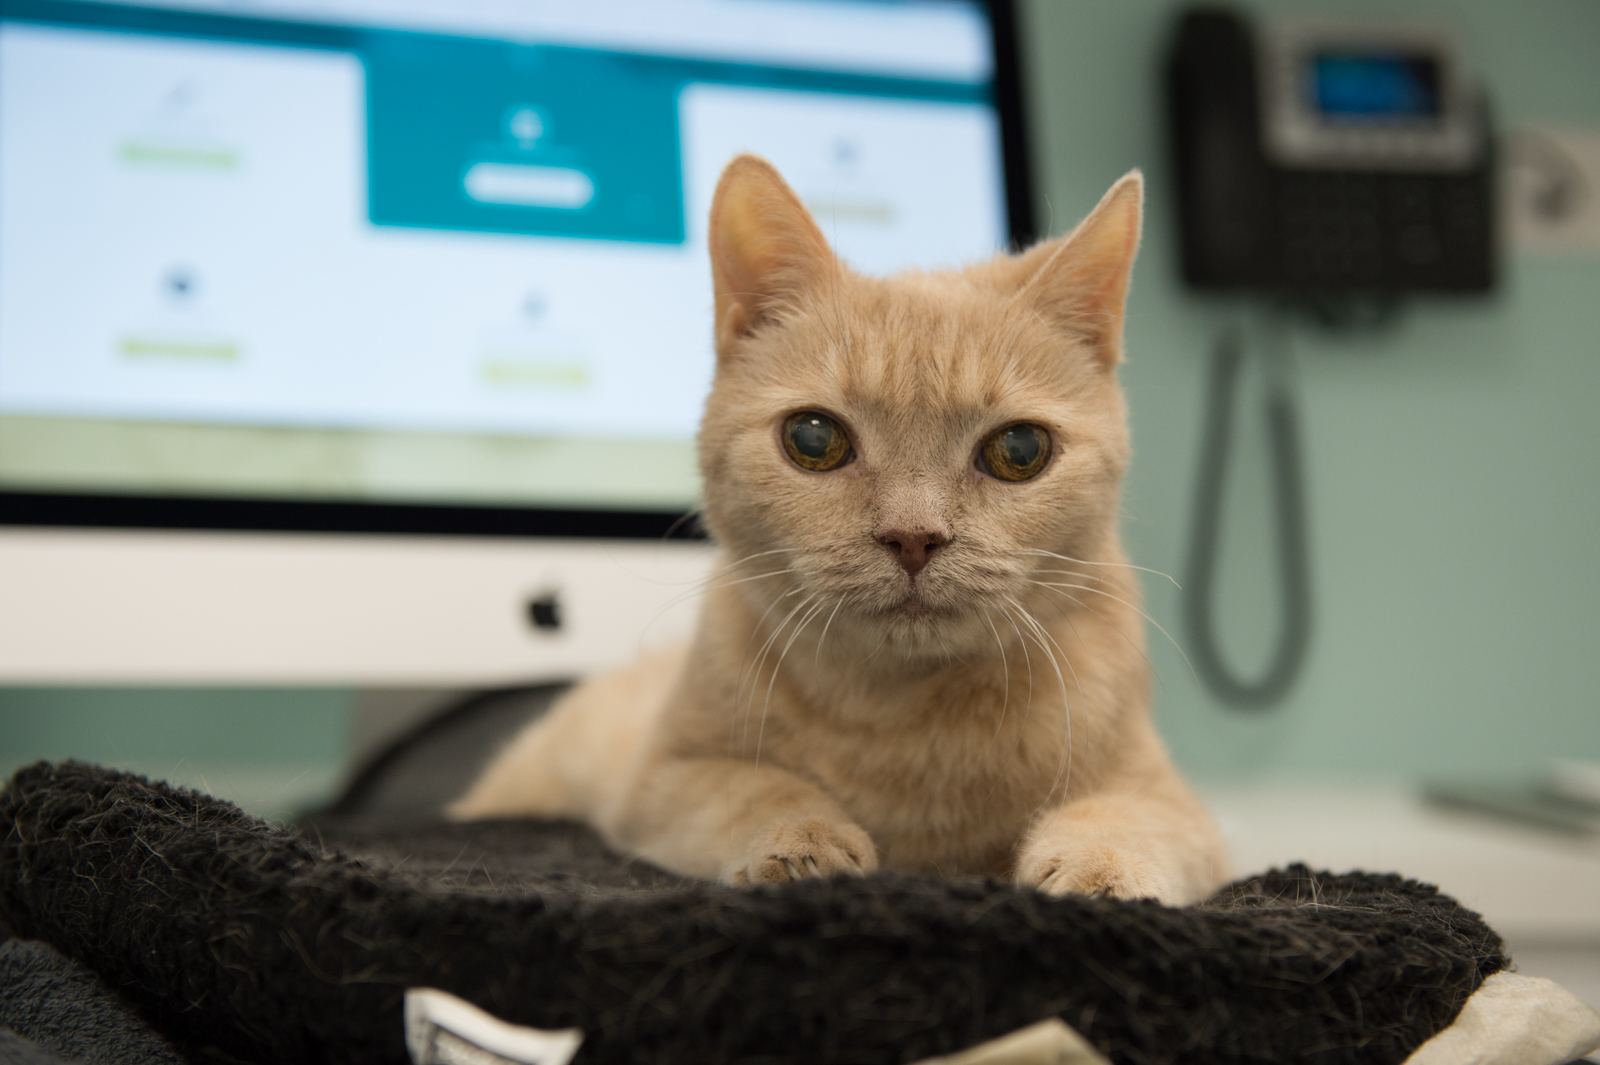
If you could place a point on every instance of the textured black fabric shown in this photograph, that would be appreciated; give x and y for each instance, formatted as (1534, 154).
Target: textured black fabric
(68, 1011)
(502, 859)
(15, 1050)
(276, 947)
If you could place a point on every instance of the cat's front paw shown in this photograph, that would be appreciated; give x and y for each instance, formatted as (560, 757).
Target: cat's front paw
(786, 850)
(1089, 868)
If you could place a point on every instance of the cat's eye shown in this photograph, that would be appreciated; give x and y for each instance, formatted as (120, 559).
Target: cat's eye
(815, 441)
(1016, 452)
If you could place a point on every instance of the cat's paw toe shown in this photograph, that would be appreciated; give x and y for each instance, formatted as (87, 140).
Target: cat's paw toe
(1094, 869)
(805, 848)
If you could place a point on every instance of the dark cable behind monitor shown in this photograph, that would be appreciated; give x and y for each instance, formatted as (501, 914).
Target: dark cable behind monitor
(367, 778)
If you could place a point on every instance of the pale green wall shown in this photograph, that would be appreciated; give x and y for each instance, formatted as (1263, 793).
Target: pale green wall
(152, 724)
(1452, 464)
(1452, 473)
(271, 751)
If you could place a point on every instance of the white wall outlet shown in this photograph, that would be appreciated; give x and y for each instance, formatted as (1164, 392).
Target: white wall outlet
(1550, 190)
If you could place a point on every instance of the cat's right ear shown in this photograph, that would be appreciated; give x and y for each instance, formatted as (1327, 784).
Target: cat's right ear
(1080, 281)
(765, 247)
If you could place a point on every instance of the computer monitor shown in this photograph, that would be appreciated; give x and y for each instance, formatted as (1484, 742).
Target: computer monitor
(365, 341)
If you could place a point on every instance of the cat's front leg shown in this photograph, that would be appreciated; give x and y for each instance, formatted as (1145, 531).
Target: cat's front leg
(795, 848)
(1128, 846)
(1086, 863)
(742, 824)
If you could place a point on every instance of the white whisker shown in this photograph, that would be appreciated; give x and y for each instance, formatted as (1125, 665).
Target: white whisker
(733, 721)
(1113, 626)
(709, 583)
(755, 678)
(1090, 562)
(1005, 700)
(816, 664)
(1083, 701)
(755, 674)
(1027, 710)
(1136, 609)
(776, 668)
(1005, 673)
(705, 587)
(1066, 705)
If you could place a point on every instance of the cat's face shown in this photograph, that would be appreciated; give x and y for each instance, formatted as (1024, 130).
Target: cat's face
(901, 454)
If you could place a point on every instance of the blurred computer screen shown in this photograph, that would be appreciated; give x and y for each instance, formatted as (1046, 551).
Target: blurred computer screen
(436, 251)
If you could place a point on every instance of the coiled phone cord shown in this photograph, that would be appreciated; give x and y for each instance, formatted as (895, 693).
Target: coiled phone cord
(1294, 564)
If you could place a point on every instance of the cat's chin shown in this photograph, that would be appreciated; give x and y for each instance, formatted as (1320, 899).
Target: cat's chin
(915, 606)
(917, 626)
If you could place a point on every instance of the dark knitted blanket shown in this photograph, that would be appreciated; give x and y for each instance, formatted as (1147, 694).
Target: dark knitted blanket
(60, 1007)
(15, 1050)
(238, 939)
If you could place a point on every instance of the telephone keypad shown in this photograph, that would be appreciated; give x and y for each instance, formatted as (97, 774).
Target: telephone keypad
(1381, 231)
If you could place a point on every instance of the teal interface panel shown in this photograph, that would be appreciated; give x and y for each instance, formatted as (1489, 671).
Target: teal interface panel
(522, 139)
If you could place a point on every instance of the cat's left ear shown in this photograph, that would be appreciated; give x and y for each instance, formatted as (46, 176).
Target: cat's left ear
(1080, 281)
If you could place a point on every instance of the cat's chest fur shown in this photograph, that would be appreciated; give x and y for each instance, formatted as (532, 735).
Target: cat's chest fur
(944, 777)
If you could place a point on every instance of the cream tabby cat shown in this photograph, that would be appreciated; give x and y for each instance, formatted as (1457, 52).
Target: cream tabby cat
(923, 651)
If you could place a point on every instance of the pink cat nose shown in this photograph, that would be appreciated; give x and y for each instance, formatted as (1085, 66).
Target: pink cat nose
(912, 547)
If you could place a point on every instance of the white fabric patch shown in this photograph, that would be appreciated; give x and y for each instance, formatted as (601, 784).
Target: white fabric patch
(444, 1030)
(1050, 1042)
(1515, 1020)
(1511, 1020)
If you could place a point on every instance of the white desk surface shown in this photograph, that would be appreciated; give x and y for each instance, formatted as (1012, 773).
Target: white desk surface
(1535, 887)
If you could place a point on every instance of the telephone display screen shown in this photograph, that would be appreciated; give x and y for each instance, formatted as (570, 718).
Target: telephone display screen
(1352, 85)
(436, 251)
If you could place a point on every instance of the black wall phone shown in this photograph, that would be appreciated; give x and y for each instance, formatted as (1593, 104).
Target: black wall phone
(1327, 157)
(1331, 167)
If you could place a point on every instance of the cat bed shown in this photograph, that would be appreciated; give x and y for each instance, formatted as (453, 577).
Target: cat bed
(243, 941)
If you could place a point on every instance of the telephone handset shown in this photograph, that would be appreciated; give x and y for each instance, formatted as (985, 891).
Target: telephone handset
(1331, 166)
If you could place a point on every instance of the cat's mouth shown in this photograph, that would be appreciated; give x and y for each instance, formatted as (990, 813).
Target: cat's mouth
(917, 605)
